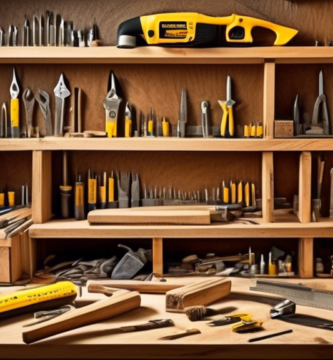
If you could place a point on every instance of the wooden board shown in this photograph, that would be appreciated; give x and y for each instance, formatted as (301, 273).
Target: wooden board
(119, 216)
(10, 259)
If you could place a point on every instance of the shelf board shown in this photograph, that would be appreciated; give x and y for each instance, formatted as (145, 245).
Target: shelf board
(289, 228)
(166, 144)
(161, 55)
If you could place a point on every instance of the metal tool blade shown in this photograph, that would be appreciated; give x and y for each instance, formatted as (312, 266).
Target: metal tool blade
(14, 87)
(61, 93)
(296, 116)
(35, 29)
(43, 99)
(41, 30)
(321, 83)
(29, 103)
(229, 90)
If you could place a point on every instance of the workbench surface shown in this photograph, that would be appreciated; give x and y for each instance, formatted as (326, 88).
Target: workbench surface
(94, 342)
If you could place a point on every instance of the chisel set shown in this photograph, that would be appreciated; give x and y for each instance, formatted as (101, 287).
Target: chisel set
(49, 30)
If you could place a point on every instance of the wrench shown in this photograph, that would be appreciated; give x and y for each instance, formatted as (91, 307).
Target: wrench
(43, 99)
(29, 103)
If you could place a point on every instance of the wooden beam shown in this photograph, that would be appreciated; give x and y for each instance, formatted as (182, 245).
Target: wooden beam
(305, 258)
(304, 196)
(41, 186)
(267, 187)
(269, 100)
(158, 257)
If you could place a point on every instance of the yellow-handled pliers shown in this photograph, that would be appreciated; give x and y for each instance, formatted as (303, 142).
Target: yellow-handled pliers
(228, 115)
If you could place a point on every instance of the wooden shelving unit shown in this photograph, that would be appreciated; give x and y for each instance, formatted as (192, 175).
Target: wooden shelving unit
(267, 58)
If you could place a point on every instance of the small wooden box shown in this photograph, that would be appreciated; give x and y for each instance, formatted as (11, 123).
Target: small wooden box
(283, 128)
(10, 260)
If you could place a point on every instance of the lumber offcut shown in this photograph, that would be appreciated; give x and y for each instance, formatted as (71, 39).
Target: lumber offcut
(201, 293)
(99, 311)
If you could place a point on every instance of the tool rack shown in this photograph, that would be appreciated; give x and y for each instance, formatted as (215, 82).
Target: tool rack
(278, 163)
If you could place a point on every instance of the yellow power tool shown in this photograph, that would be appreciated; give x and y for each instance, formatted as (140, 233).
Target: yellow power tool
(193, 29)
(40, 298)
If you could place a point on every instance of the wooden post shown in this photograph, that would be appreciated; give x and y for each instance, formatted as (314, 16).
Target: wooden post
(41, 186)
(305, 258)
(267, 187)
(304, 195)
(158, 257)
(269, 99)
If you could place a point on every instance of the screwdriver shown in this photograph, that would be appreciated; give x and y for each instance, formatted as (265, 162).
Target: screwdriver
(247, 194)
(92, 192)
(11, 198)
(165, 127)
(253, 193)
(233, 192)
(65, 189)
(79, 199)
(225, 193)
(102, 192)
(240, 192)
(2, 198)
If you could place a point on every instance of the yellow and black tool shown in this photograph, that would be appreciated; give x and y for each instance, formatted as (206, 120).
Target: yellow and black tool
(79, 199)
(193, 29)
(15, 107)
(92, 191)
(228, 114)
(65, 189)
(40, 298)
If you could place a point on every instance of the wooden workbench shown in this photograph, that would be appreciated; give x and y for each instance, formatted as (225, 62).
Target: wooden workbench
(93, 342)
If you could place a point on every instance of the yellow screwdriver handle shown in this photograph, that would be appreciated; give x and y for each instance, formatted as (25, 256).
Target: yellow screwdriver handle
(224, 118)
(231, 121)
(111, 129)
(14, 112)
(128, 127)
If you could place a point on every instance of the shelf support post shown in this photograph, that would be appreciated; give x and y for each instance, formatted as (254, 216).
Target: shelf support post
(269, 99)
(305, 258)
(304, 196)
(41, 186)
(267, 187)
(158, 257)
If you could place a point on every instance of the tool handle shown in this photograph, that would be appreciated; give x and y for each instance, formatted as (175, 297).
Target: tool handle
(128, 127)
(111, 129)
(14, 117)
(231, 121)
(100, 289)
(152, 324)
(224, 119)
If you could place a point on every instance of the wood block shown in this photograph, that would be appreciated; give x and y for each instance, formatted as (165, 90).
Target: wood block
(202, 293)
(119, 216)
(305, 258)
(90, 314)
(283, 128)
(10, 260)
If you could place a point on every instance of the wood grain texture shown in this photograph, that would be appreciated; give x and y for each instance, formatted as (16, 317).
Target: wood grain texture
(268, 187)
(186, 171)
(305, 258)
(304, 197)
(313, 22)
(158, 257)
(145, 86)
(42, 182)
(269, 97)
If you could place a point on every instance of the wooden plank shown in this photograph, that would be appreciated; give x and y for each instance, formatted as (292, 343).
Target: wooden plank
(25, 252)
(129, 216)
(267, 187)
(269, 100)
(167, 144)
(304, 196)
(158, 257)
(42, 182)
(160, 55)
(15, 259)
(288, 227)
(305, 258)
(5, 264)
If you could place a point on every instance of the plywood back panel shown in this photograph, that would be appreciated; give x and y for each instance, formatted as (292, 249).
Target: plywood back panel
(311, 18)
(186, 170)
(146, 86)
(16, 170)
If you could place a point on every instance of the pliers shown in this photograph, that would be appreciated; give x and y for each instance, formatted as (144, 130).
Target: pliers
(228, 115)
(321, 99)
(111, 104)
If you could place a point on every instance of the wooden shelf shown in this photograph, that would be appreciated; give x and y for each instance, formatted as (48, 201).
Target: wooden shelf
(166, 144)
(290, 228)
(160, 55)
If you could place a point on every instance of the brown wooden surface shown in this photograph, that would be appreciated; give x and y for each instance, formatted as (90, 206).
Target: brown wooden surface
(268, 186)
(95, 341)
(304, 197)
(157, 256)
(305, 258)
(42, 182)
(146, 86)
(313, 22)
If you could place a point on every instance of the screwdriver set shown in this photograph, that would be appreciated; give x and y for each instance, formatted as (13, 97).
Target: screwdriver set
(50, 30)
